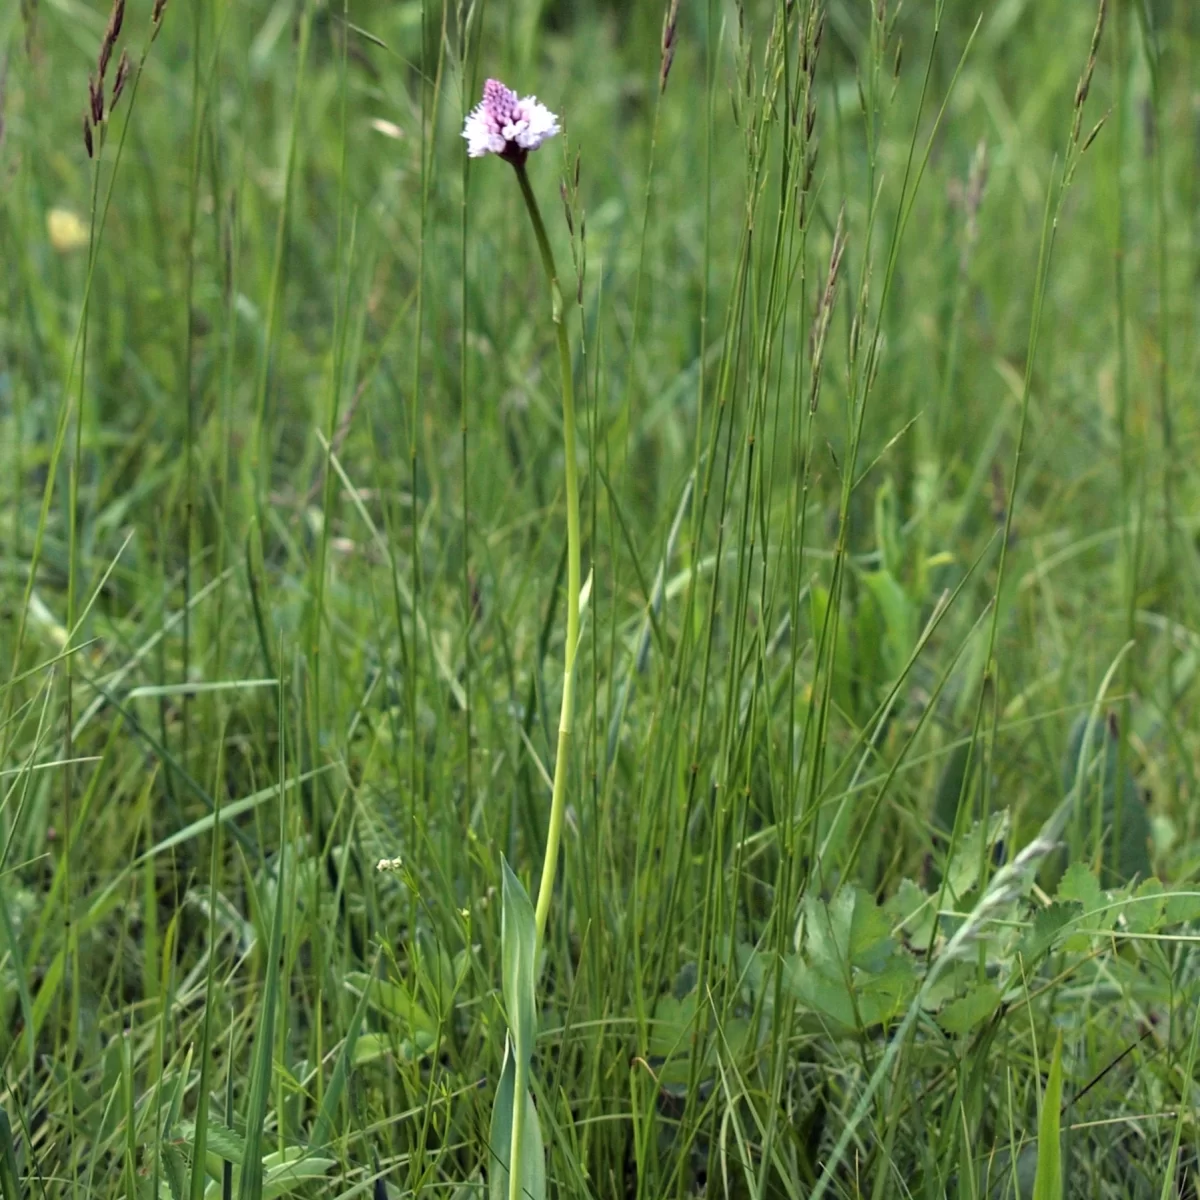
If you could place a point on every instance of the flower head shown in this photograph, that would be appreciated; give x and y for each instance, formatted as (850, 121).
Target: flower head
(507, 125)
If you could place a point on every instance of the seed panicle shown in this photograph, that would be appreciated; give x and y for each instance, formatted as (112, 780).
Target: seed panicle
(122, 78)
(669, 33)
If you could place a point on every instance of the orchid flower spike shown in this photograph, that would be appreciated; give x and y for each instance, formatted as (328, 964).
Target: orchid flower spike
(506, 125)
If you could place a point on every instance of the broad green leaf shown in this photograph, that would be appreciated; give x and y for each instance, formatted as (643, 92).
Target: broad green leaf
(1048, 1182)
(518, 946)
(888, 537)
(287, 1169)
(283, 1173)
(393, 1000)
(850, 970)
(670, 1032)
(371, 1047)
(913, 913)
(850, 931)
(899, 619)
(250, 1186)
(841, 658)
(532, 1171)
(964, 1014)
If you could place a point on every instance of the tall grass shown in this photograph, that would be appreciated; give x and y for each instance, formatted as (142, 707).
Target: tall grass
(880, 844)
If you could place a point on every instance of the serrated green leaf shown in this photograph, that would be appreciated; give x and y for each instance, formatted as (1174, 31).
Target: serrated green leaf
(1144, 911)
(964, 1014)
(221, 1141)
(532, 1168)
(174, 1171)
(1049, 926)
(850, 970)
(1078, 883)
(1182, 907)
(1048, 1182)
(849, 931)
(975, 847)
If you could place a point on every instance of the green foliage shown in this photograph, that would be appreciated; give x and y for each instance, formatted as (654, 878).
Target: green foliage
(888, 531)
(1048, 1183)
(517, 1164)
(1112, 819)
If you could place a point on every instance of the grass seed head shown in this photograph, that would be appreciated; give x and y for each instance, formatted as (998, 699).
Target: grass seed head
(96, 99)
(112, 31)
(87, 135)
(669, 32)
(122, 78)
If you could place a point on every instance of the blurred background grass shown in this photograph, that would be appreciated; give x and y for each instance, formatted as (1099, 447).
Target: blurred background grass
(202, 608)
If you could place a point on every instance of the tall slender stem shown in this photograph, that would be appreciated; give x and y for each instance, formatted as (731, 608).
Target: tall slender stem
(567, 712)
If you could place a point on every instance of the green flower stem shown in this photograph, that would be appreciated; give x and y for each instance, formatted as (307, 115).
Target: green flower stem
(567, 713)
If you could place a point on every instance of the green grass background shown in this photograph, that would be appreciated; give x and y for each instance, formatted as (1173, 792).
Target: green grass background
(282, 565)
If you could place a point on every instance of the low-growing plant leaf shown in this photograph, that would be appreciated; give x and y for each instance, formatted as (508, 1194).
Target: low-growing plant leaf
(393, 1000)
(899, 620)
(850, 969)
(964, 1014)
(1049, 926)
(839, 654)
(1078, 883)
(1144, 911)
(1182, 907)
(913, 913)
(174, 1170)
(221, 1141)
(975, 848)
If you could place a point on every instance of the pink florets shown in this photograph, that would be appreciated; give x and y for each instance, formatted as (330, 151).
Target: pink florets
(507, 125)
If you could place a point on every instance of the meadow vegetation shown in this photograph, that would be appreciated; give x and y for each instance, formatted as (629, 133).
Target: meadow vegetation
(882, 834)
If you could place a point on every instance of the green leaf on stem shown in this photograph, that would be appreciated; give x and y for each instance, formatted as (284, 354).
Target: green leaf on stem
(531, 1168)
(518, 948)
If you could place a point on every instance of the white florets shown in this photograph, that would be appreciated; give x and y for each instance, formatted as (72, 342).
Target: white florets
(507, 125)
